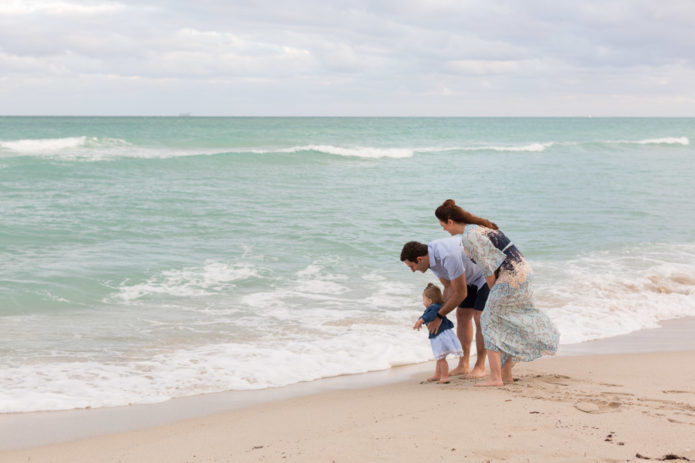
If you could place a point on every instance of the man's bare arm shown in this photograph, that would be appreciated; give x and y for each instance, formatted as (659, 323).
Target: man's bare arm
(455, 291)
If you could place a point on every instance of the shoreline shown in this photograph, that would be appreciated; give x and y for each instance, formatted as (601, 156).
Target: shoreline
(34, 429)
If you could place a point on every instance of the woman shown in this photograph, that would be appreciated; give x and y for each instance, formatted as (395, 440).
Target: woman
(513, 328)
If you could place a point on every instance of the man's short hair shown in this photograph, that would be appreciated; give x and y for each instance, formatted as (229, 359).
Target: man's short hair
(412, 250)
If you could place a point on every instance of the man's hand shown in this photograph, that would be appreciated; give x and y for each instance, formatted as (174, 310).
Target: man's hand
(434, 325)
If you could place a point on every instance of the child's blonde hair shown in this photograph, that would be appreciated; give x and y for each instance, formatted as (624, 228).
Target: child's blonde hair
(433, 292)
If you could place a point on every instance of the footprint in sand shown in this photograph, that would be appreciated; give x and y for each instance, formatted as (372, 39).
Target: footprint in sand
(597, 406)
(613, 393)
(559, 380)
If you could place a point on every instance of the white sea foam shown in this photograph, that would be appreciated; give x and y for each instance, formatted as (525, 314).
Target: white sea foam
(356, 151)
(98, 149)
(68, 148)
(307, 327)
(319, 322)
(212, 277)
(526, 147)
(85, 148)
(396, 153)
(210, 368)
(683, 141)
(607, 294)
(665, 141)
(90, 149)
(44, 145)
(531, 147)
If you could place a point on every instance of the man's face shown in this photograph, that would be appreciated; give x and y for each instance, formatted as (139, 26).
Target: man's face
(420, 265)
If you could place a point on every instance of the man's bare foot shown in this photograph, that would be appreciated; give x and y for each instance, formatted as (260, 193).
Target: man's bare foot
(489, 383)
(476, 373)
(460, 371)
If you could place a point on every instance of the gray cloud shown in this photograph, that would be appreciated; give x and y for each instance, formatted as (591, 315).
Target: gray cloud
(372, 58)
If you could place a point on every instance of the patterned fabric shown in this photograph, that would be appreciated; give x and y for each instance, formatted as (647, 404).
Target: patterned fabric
(446, 343)
(511, 323)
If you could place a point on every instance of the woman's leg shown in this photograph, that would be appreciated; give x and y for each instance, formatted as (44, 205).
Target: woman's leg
(495, 378)
(507, 377)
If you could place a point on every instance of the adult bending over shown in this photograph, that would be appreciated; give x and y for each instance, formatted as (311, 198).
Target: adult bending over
(464, 287)
(513, 328)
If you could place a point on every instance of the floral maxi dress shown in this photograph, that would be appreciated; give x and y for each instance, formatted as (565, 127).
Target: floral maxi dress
(511, 323)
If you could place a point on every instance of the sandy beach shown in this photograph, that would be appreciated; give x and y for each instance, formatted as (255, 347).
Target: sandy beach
(613, 407)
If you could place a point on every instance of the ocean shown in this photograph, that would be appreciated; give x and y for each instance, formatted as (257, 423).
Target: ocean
(150, 258)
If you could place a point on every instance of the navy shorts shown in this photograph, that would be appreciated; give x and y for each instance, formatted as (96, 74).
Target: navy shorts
(476, 298)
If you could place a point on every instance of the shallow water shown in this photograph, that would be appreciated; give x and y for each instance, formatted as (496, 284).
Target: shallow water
(150, 258)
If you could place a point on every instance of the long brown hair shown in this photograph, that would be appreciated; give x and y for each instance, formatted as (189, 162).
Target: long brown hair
(449, 210)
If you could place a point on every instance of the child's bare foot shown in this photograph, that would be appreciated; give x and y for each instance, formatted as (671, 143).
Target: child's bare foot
(490, 383)
(508, 379)
(443, 381)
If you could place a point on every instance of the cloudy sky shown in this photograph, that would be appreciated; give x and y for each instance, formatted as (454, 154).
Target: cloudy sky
(351, 58)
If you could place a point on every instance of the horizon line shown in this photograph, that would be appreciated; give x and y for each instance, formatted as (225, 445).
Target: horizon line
(188, 115)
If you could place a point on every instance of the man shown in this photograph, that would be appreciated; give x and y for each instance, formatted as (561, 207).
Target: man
(464, 289)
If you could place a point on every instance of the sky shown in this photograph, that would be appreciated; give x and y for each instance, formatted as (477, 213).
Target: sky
(348, 58)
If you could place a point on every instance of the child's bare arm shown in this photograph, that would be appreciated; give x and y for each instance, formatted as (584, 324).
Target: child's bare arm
(418, 324)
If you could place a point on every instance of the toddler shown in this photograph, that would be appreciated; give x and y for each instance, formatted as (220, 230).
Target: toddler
(444, 342)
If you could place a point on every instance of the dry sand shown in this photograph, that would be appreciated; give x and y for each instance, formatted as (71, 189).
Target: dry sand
(564, 409)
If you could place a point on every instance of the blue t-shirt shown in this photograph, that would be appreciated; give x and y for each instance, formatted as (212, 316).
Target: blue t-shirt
(430, 314)
(448, 260)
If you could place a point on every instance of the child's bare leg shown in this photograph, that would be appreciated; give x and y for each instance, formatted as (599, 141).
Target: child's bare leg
(443, 369)
(464, 331)
(495, 378)
(479, 368)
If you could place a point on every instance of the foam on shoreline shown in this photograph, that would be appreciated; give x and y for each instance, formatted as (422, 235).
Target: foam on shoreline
(24, 430)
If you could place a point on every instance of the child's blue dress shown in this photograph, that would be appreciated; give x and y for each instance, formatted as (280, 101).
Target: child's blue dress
(444, 341)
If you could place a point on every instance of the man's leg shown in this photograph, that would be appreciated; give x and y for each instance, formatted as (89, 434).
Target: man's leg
(464, 331)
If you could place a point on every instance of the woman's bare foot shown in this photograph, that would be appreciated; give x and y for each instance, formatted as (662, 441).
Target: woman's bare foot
(490, 383)
(507, 377)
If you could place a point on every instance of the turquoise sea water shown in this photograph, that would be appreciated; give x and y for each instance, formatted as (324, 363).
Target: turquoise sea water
(149, 258)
